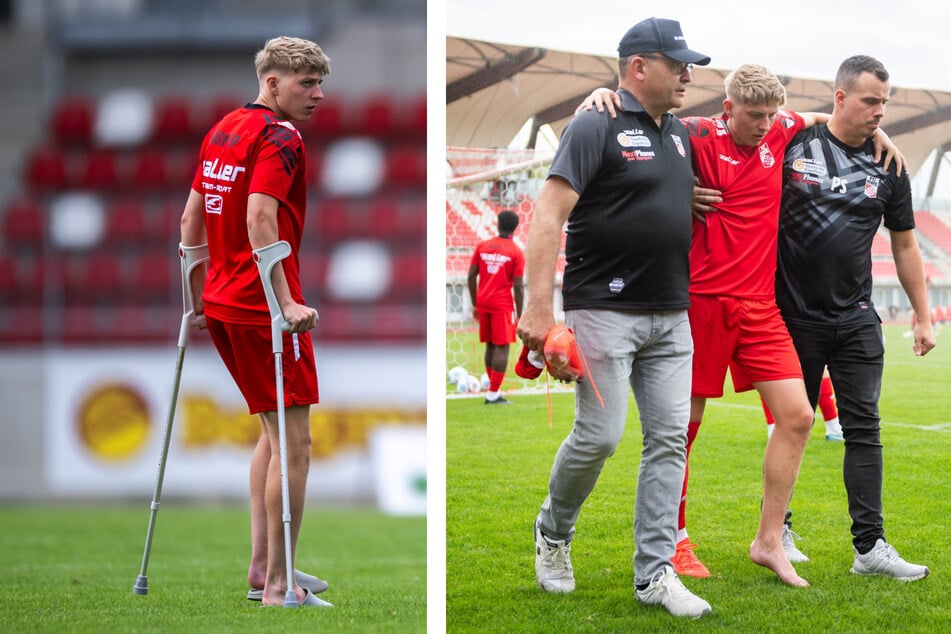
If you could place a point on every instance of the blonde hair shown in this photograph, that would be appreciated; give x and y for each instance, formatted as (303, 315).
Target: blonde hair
(291, 55)
(754, 85)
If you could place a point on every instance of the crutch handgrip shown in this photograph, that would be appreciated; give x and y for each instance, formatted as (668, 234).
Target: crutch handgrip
(191, 257)
(266, 259)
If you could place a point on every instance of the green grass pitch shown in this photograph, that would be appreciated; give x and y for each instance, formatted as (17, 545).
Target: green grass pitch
(70, 568)
(498, 461)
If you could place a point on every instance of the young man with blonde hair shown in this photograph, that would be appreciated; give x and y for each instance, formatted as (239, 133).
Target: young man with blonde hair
(250, 192)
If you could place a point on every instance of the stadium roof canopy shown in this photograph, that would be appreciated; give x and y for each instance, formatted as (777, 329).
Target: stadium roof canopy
(493, 89)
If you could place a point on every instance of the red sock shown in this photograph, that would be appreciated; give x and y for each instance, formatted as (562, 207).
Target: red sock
(495, 380)
(692, 428)
(827, 400)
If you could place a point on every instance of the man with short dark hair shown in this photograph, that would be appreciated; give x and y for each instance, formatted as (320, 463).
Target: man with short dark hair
(835, 197)
(495, 288)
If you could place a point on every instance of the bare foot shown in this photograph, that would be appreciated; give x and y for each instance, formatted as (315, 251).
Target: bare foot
(279, 599)
(776, 561)
(256, 579)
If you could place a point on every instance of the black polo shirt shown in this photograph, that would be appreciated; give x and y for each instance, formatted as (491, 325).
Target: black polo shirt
(628, 237)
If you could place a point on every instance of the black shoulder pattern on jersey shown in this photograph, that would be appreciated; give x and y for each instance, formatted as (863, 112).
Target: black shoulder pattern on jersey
(283, 139)
(695, 127)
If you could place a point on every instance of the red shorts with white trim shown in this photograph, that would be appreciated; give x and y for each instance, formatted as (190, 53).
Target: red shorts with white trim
(497, 327)
(246, 352)
(748, 336)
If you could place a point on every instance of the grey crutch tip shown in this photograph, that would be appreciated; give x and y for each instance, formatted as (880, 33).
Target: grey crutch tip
(141, 585)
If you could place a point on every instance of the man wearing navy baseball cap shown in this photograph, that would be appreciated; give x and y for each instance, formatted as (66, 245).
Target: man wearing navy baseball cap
(624, 188)
(658, 35)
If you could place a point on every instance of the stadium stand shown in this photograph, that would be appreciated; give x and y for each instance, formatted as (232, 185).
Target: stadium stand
(139, 176)
(935, 229)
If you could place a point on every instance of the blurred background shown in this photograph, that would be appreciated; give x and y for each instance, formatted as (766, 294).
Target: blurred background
(106, 104)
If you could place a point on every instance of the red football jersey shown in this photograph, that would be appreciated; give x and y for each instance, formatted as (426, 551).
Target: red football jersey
(499, 261)
(249, 151)
(734, 251)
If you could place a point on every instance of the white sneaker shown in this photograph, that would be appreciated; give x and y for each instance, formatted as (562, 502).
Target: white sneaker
(553, 564)
(884, 560)
(793, 554)
(666, 589)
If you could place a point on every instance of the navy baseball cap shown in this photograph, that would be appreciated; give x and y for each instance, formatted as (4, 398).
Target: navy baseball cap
(661, 36)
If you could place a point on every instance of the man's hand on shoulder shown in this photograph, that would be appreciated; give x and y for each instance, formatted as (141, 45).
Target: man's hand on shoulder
(601, 99)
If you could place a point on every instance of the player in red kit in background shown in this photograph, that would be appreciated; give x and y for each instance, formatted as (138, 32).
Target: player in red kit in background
(249, 192)
(495, 288)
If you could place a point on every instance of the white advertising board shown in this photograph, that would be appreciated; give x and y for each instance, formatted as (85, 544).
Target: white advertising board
(106, 413)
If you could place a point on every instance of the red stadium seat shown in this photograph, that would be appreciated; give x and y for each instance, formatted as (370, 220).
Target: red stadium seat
(406, 166)
(397, 322)
(149, 170)
(173, 120)
(315, 163)
(127, 223)
(414, 218)
(138, 323)
(152, 276)
(46, 170)
(313, 274)
(413, 124)
(91, 279)
(9, 277)
(375, 117)
(333, 220)
(327, 122)
(384, 219)
(71, 121)
(23, 225)
(220, 106)
(99, 170)
(409, 275)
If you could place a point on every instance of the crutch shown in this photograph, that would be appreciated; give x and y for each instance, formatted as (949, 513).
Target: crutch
(191, 257)
(267, 258)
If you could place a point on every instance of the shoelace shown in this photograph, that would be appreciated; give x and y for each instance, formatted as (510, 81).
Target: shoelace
(558, 555)
(889, 553)
(670, 584)
(793, 535)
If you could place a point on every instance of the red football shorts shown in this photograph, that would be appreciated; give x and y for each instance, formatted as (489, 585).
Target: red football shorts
(748, 336)
(246, 352)
(497, 327)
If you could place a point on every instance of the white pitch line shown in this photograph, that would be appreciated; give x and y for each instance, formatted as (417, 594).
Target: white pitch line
(941, 427)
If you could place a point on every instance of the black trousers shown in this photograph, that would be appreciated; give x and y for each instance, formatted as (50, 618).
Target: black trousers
(855, 357)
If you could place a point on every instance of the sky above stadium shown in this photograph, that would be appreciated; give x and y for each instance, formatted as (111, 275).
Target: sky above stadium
(807, 38)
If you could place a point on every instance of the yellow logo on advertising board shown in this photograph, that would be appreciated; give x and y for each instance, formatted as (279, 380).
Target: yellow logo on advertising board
(113, 422)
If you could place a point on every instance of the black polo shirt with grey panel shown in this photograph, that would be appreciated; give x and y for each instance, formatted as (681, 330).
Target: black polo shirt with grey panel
(628, 237)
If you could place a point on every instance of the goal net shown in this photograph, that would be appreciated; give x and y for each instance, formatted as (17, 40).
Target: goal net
(481, 183)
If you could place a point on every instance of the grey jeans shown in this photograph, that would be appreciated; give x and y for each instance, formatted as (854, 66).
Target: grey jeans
(651, 353)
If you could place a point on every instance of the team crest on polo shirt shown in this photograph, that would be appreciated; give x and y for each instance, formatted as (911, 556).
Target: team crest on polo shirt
(871, 186)
(766, 157)
(679, 144)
